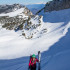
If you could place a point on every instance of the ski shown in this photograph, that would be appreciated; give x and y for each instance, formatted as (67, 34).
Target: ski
(39, 57)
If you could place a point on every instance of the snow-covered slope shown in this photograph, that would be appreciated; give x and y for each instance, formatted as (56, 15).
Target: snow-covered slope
(55, 42)
(43, 38)
(15, 13)
(10, 8)
(56, 16)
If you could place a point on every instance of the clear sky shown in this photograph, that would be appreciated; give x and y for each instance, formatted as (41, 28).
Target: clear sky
(22, 1)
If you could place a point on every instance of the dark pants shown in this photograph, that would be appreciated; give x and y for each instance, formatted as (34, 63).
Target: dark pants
(33, 67)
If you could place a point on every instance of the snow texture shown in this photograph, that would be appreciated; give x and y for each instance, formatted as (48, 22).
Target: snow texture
(54, 45)
(16, 46)
(15, 13)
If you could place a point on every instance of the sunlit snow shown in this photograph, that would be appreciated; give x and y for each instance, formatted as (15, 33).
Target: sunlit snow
(12, 45)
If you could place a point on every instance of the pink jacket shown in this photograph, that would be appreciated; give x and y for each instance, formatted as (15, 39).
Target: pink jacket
(31, 63)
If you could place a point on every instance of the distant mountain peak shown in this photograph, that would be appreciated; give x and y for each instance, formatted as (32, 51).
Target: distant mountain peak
(10, 8)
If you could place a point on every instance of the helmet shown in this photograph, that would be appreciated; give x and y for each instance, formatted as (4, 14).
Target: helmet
(34, 56)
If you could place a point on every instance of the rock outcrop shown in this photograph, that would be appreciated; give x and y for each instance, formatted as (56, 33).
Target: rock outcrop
(57, 5)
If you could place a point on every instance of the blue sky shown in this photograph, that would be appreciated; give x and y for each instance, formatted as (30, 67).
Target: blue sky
(22, 1)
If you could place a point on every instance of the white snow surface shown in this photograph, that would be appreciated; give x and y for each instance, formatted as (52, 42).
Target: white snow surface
(15, 13)
(14, 46)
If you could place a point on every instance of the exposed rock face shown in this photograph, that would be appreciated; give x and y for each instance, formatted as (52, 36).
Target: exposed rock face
(25, 22)
(27, 12)
(13, 22)
(11, 8)
(57, 5)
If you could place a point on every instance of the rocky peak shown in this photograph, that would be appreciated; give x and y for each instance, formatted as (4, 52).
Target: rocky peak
(22, 20)
(57, 5)
(9, 8)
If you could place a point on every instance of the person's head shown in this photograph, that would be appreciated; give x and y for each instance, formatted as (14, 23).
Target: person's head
(33, 56)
